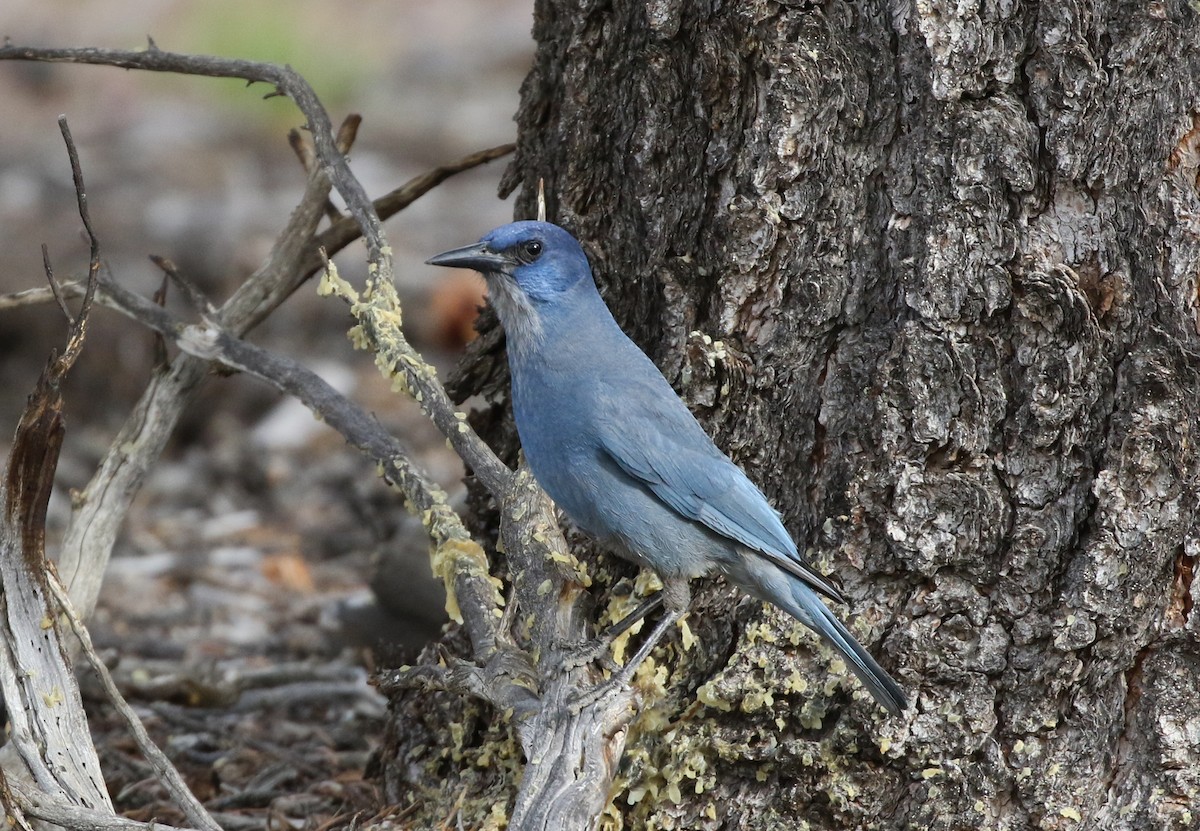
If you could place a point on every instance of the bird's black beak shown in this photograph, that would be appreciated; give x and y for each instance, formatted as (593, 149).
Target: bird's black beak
(476, 257)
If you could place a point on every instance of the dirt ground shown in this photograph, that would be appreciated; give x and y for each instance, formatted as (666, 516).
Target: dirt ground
(264, 571)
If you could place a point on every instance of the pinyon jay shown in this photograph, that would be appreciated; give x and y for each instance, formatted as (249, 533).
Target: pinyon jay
(617, 450)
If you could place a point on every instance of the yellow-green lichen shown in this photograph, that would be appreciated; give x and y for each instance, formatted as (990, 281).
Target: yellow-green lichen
(707, 695)
(713, 350)
(686, 639)
(358, 338)
(454, 556)
(485, 765)
(332, 283)
(757, 699)
(578, 569)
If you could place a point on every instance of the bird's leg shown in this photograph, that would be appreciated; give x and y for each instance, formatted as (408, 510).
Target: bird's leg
(594, 649)
(622, 677)
(676, 596)
(626, 623)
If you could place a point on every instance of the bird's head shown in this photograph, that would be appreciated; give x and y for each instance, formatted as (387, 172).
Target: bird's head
(529, 267)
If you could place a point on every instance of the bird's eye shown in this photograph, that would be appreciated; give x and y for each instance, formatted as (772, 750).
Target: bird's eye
(530, 250)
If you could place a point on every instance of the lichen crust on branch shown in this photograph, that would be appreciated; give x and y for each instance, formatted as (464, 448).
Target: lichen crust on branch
(453, 554)
(378, 329)
(451, 557)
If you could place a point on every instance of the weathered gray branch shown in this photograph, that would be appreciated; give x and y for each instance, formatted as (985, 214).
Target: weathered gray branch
(48, 728)
(99, 509)
(159, 763)
(56, 811)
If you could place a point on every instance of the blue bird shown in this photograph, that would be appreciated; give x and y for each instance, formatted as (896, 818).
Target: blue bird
(619, 452)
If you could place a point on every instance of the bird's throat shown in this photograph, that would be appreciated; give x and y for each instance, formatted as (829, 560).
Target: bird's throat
(521, 320)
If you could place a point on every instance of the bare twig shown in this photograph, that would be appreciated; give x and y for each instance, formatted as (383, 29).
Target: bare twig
(79, 322)
(340, 694)
(57, 811)
(55, 287)
(346, 231)
(303, 149)
(348, 132)
(302, 146)
(195, 295)
(39, 296)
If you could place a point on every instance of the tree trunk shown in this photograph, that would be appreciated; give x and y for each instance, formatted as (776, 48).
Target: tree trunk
(929, 274)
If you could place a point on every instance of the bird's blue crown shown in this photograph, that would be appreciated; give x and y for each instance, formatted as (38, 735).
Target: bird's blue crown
(546, 259)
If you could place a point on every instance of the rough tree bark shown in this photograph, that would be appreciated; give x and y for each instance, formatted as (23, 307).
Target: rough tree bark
(929, 272)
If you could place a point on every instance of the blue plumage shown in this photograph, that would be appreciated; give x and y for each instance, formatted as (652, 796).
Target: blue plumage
(617, 450)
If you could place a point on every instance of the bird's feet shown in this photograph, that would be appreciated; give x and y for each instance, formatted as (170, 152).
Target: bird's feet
(576, 655)
(622, 676)
(617, 681)
(579, 655)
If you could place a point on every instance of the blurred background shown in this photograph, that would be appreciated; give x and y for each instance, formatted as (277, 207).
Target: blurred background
(198, 170)
(260, 532)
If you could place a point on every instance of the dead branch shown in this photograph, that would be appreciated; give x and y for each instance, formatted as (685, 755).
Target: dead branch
(79, 322)
(159, 763)
(40, 295)
(346, 230)
(48, 727)
(472, 594)
(57, 811)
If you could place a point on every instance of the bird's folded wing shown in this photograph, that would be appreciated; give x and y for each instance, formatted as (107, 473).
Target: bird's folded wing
(703, 485)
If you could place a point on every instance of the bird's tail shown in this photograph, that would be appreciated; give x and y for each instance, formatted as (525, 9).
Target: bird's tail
(798, 600)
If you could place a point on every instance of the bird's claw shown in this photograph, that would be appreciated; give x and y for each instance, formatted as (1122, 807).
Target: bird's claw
(617, 681)
(577, 655)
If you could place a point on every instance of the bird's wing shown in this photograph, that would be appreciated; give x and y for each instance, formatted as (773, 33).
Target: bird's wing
(696, 480)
